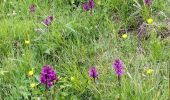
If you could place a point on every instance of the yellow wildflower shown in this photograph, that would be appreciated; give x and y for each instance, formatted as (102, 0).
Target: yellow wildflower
(150, 21)
(27, 42)
(124, 36)
(30, 73)
(149, 71)
(72, 79)
(32, 85)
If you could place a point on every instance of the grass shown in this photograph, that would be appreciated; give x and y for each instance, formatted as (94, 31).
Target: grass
(77, 40)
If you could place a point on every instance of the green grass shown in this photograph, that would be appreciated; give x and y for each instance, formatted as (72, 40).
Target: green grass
(77, 40)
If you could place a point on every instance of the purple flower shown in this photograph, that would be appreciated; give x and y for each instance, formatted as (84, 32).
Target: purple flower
(48, 20)
(93, 72)
(48, 76)
(148, 2)
(89, 5)
(86, 7)
(32, 8)
(118, 66)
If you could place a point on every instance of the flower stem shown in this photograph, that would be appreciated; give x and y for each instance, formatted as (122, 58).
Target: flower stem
(54, 91)
(119, 80)
(94, 80)
(46, 92)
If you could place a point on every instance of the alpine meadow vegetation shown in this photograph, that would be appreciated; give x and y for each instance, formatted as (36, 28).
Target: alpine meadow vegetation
(84, 49)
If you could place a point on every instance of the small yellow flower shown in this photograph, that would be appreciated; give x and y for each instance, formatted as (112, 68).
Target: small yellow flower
(30, 73)
(150, 21)
(149, 71)
(27, 42)
(124, 36)
(32, 85)
(72, 79)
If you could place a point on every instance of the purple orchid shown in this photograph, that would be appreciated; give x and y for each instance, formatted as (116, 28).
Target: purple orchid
(86, 7)
(32, 8)
(93, 73)
(148, 2)
(48, 20)
(48, 76)
(89, 5)
(118, 66)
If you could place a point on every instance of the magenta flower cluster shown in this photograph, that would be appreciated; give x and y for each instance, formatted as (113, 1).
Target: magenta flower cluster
(148, 2)
(48, 76)
(48, 20)
(93, 72)
(118, 66)
(32, 8)
(89, 5)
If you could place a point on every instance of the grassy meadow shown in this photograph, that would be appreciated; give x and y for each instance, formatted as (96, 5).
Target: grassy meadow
(76, 39)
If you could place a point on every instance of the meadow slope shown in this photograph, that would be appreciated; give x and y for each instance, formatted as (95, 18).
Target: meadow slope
(72, 38)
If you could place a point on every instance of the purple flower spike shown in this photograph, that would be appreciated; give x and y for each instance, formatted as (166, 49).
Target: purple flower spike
(32, 8)
(118, 66)
(91, 4)
(48, 20)
(48, 76)
(93, 72)
(86, 7)
(148, 2)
